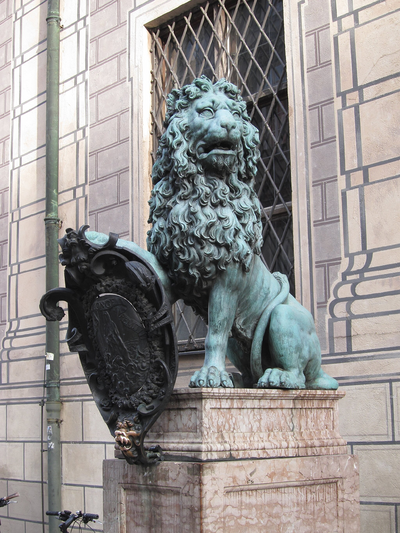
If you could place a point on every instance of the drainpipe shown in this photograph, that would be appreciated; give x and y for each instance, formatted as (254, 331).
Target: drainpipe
(53, 403)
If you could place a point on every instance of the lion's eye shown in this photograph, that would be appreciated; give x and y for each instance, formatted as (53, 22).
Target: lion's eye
(207, 112)
(236, 114)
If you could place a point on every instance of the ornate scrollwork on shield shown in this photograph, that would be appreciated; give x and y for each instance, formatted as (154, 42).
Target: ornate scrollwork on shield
(121, 324)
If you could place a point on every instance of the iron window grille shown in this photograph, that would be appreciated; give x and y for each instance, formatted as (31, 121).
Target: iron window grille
(242, 41)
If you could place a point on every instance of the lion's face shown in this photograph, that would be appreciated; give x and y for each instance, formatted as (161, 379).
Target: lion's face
(208, 131)
(215, 130)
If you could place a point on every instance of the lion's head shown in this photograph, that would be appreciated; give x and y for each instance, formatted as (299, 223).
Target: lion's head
(204, 210)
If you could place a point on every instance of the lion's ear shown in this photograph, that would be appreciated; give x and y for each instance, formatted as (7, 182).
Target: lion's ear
(172, 99)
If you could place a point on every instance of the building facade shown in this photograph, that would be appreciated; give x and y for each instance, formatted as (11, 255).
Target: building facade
(343, 94)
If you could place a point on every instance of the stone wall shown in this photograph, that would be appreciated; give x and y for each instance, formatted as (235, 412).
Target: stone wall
(5, 103)
(344, 89)
(364, 309)
(109, 119)
(85, 438)
(344, 67)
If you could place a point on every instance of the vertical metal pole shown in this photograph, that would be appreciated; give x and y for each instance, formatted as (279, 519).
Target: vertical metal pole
(53, 403)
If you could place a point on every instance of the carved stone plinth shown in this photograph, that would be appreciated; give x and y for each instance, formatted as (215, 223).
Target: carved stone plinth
(249, 423)
(239, 461)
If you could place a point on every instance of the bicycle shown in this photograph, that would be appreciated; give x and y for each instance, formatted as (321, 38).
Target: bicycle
(70, 518)
(6, 500)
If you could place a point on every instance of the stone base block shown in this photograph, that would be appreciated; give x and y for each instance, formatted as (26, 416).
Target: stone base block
(214, 424)
(282, 495)
(239, 461)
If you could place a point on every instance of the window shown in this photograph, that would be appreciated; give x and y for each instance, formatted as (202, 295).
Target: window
(243, 42)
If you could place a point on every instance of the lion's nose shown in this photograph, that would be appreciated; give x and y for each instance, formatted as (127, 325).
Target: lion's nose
(226, 119)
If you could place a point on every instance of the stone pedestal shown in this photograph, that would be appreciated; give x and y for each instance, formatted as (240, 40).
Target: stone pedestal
(237, 461)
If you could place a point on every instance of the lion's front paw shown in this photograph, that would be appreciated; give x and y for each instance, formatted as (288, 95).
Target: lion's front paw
(276, 378)
(211, 377)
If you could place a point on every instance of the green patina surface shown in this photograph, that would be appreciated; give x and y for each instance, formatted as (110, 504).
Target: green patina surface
(205, 245)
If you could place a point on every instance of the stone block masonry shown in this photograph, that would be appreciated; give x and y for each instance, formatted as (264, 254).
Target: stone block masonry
(240, 460)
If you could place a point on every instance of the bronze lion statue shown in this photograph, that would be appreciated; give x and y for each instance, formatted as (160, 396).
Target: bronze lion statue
(205, 244)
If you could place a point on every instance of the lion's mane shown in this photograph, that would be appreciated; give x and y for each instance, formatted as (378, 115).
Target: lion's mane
(200, 223)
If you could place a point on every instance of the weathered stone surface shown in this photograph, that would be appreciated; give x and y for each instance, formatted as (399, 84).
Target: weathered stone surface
(242, 423)
(297, 478)
(302, 495)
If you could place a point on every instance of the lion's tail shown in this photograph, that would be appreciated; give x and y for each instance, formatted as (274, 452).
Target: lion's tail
(255, 356)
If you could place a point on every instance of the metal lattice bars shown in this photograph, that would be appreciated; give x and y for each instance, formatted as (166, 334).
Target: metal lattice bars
(242, 41)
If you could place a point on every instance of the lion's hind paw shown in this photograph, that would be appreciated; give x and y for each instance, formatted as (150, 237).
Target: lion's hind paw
(211, 377)
(276, 378)
(322, 382)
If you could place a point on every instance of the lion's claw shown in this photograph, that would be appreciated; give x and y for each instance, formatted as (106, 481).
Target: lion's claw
(211, 377)
(274, 378)
(226, 380)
